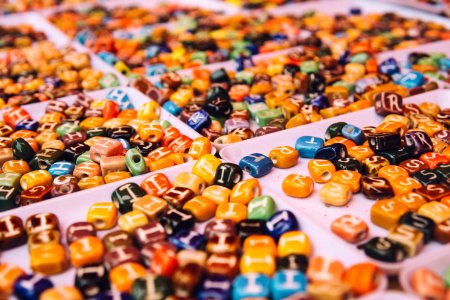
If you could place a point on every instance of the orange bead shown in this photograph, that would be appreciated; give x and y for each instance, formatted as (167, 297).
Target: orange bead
(363, 278)
(160, 164)
(123, 276)
(9, 274)
(321, 170)
(386, 213)
(446, 201)
(350, 178)
(335, 194)
(19, 166)
(260, 244)
(350, 228)
(427, 284)
(433, 159)
(404, 185)
(235, 212)
(392, 127)
(245, 191)
(412, 200)
(391, 172)
(298, 186)
(199, 147)
(341, 140)
(322, 269)
(360, 152)
(85, 251)
(284, 156)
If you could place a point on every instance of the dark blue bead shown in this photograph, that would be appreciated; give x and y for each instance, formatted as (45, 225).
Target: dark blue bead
(307, 146)
(279, 37)
(251, 285)
(27, 125)
(281, 222)
(332, 152)
(251, 99)
(355, 11)
(253, 49)
(353, 133)
(172, 108)
(256, 164)
(215, 287)
(199, 120)
(244, 62)
(188, 239)
(320, 102)
(30, 287)
(287, 282)
(389, 67)
(53, 81)
(344, 58)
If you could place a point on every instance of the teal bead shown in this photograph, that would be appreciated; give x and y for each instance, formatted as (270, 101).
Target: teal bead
(245, 76)
(360, 58)
(309, 66)
(261, 208)
(10, 179)
(239, 105)
(109, 80)
(135, 162)
(264, 116)
(85, 157)
(255, 108)
(67, 128)
(22, 150)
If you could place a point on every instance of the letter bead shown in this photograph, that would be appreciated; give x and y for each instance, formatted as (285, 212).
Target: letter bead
(383, 249)
(233, 211)
(124, 195)
(156, 184)
(206, 167)
(256, 164)
(350, 178)
(117, 239)
(376, 188)
(442, 232)
(131, 220)
(261, 208)
(436, 211)
(103, 215)
(322, 269)
(350, 228)
(177, 219)
(227, 175)
(85, 251)
(294, 242)
(363, 278)
(31, 286)
(78, 230)
(335, 194)
(62, 292)
(387, 213)
(298, 186)
(284, 157)
(191, 181)
(281, 222)
(153, 207)
(410, 238)
(91, 280)
(202, 208)
(123, 276)
(48, 259)
(427, 284)
(41, 222)
(216, 193)
(307, 146)
(12, 232)
(251, 285)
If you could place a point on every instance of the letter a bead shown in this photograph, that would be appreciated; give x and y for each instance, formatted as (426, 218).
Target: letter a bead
(298, 186)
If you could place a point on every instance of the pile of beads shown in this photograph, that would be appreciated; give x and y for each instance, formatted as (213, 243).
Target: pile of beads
(26, 5)
(250, 250)
(403, 164)
(19, 36)
(42, 71)
(429, 285)
(84, 145)
(431, 64)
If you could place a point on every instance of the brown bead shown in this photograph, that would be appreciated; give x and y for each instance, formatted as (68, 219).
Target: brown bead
(41, 222)
(186, 279)
(243, 133)
(35, 194)
(121, 255)
(434, 191)
(223, 243)
(388, 103)
(442, 232)
(177, 196)
(266, 130)
(222, 264)
(373, 164)
(220, 226)
(152, 232)
(43, 237)
(413, 165)
(12, 232)
(79, 230)
(240, 114)
(117, 239)
(376, 187)
(410, 109)
(171, 80)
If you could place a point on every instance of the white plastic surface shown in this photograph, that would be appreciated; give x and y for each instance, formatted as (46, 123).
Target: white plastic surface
(313, 206)
(438, 263)
(73, 208)
(432, 8)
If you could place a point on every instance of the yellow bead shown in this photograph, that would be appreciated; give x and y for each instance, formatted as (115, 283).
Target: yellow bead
(61, 292)
(46, 136)
(132, 220)
(115, 122)
(201, 208)
(218, 194)
(190, 181)
(263, 263)
(336, 194)
(48, 259)
(152, 206)
(260, 244)
(429, 108)
(206, 167)
(298, 186)
(397, 118)
(91, 122)
(348, 177)
(294, 242)
(235, 212)
(391, 172)
(436, 211)
(386, 213)
(34, 178)
(160, 164)
(90, 182)
(393, 127)
(431, 127)
(149, 111)
(360, 152)
(182, 96)
(179, 158)
(321, 170)
(103, 215)
(359, 105)
(245, 191)
(284, 157)
(412, 200)
(19, 166)
(199, 147)
(297, 120)
(116, 176)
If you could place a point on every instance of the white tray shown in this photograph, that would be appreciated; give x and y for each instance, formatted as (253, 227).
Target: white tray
(313, 206)
(435, 9)
(73, 208)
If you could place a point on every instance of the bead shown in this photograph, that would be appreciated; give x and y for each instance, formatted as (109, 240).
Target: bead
(307, 146)
(224, 264)
(350, 228)
(117, 239)
(410, 238)
(436, 211)
(245, 190)
(155, 287)
(103, 215)
(284, 157)
(105, 147)
(227, 175)
(8, 196)
(233, 211)
(350, 178)
(404, 185)
(246, 228)
(376, 187)
(336, 194)
(412, 200)
(177, 196)
(321, 170)
(257, 263)
(259, 244)
(418, 142)
(48, 259)
(219, 226)
(433, 159)
(191, 181)
(288, 282)
(12, 232)
(187, 239)
(413, 165)
(281, 222)
(131, 220)
(256, 164)
(206, 167)
(216, 193)
(201, 208)
(363, 278)
(353, 133)
(123, 196)
(176, 219)
(85, 251)
(391, 172)
(66, 292)
(78, 230)
(434, 191)
(360, 153)
(156, 184)
(387, 213)
(43, 238)
(31, 286)
(332, 152)
(294, 242)
(388, 103)
(442, 232)
(122, 276)
(383, 249)
(120, 256)
(321, 269)
(9, 273)
(298, 186)
(22, 149)
(251, 285)
(41, 222)
(427, 284)
(35, 178)
(215, 287)
(262, 208)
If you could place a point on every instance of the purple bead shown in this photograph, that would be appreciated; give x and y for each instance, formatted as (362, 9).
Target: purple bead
(418, 142)
(320, 102)
(199, 120)
(188, 239)
(389, 67)
(232, 124)
(251, 99)
(215, 287)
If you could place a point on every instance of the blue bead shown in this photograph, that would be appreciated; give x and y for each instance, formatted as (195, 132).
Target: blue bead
(320, 102)
(355, 11)
(85, 35)
(307, 146)
(158, 85)
(363, 83)
(279, 37)
(155, 69)
(280, 222)
(121, 97)
(122, 35)
(27, 125)
(411, 80)
(126, 144)
(215, 287)
(199, 120)
(253, 49)
(251, 99)
(30, 287)
(444, 64)
(188, 239)
(353, 133)
(172, 108)
(344, 58)
(287, 282)
(332, 152)
(108, 57)
(256, 164)
(61, 168)
(244, 62)
(389, 67)
(152, 51)
(251, 285)
(114, 296)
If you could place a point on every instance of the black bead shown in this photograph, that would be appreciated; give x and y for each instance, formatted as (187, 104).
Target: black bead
(72, 152)
(45, 158)
(246, 228)
(228, 174)
(332, 152)
(121, 132)
(384, 141)
(125, 194)
(293, 262)
(334, 130)
(426, 177)
(91, 280)
(218, 108)
(419, 222)
(177, 219)
(348, 163)
(395, 156)
(97, 131)
(383, 249)
(219, 76)
(22, 150)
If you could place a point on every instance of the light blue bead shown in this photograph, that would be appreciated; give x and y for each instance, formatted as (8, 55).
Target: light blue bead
(172, 108)
(307, 146)
(152, 51)
(108, 57)
(256, 164)
(411, 80)
(251, 285)
(84, 36)
(159, 85)
(119, 96)
(61, 168)
(444, 64)
(156, 69)
(126, 145)
(287, 282)
(353, 133)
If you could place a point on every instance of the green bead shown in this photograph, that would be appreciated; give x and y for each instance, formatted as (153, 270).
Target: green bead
(175, 68)
(10, 179)
(201, 56)
(22, 150)
(309, 66)
(239, 105)
(135, 162)
(236, 53)
(8, 197)
(264, 116)
(85, 157)
(261, 208)
(245, 76)
(428, 61)
(186, 23)
(221, 120)
(186, 79)
(360, 58)
(109, 80)
(349, 86)
(133, 76)
(67, 128)
(447, 277)
(434, 75)
(239, 45)
(437, 56)
(164, 124)
(255, 108)
(97, 131)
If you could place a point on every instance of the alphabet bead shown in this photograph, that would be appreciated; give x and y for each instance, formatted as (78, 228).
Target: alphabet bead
(321, 269)
(336, 194)
(85, 251)
(350, 228)
(383, 249)
(387, 213)
(298, 186)
(256, 164)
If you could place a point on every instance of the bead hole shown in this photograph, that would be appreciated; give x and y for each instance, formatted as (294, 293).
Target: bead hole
(236, 178)
(326, 175)
(136, 158)
(65, 189)
(99, 223)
